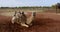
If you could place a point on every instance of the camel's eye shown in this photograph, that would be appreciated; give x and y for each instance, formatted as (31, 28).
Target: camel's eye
(20, 13)
(14, 15)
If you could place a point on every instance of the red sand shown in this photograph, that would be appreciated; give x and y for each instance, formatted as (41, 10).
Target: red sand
(44, 22)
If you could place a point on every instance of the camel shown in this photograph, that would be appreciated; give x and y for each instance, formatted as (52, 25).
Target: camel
(21, 19)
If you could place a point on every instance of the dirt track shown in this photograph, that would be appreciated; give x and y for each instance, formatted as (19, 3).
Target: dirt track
(44, 22)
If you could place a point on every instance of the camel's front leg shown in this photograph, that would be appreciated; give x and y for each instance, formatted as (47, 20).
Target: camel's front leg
(13, 20)
(23, 24)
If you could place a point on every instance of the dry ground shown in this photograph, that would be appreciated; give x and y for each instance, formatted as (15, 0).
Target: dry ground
(43, 22)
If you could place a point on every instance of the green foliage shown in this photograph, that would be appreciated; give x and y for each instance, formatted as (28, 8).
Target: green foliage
(56, 6)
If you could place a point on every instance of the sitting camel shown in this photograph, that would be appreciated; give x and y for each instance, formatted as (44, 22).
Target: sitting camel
(21, 19)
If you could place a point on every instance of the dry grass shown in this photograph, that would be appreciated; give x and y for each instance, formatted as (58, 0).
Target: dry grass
(44, 22)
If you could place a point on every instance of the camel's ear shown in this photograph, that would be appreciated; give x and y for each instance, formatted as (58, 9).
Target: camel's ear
(15, 13)
(34, 13)
(20, 12)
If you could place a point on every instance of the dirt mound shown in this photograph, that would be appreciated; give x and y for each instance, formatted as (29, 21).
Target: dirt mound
(39, 25)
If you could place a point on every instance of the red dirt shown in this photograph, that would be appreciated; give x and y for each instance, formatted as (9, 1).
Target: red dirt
(44, 22)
